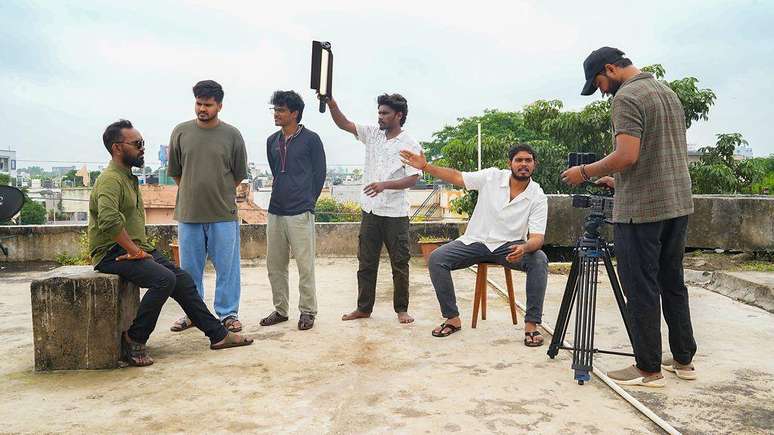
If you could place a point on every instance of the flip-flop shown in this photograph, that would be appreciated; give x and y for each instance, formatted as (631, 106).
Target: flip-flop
(450, 329)
(532, 335)
(232, 340)
(181, 324)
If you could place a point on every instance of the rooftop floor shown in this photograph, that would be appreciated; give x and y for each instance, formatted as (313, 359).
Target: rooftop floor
(376, 376)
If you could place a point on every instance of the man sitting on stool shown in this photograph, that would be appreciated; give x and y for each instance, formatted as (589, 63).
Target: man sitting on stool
(511, 208)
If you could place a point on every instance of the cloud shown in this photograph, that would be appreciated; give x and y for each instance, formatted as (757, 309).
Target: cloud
(71, 68)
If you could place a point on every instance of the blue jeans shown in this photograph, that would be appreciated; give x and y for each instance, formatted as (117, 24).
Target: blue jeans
(219, 241)
(457, 255)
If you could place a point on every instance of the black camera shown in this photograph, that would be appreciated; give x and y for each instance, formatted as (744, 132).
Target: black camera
(600, 203)
(577, 159)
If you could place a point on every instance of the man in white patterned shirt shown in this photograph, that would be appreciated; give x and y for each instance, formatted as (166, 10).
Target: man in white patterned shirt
(384, 202)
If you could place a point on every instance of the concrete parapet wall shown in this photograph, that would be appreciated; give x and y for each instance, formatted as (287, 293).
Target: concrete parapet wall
(725, 222)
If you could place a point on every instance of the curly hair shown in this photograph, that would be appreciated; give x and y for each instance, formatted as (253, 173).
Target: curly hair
(289, 99)
(395, 102)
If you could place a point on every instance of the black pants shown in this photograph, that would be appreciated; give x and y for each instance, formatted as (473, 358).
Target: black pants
(163, 280)
(650, 265)
(393, 232)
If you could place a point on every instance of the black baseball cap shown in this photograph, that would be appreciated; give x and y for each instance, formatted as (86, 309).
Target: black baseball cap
(595, 63)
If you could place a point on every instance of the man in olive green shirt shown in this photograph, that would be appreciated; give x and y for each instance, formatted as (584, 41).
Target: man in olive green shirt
(118, 245)
(650, 212)
(208, 159)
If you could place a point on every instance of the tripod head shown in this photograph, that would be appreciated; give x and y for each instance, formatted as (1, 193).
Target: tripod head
(600, 201)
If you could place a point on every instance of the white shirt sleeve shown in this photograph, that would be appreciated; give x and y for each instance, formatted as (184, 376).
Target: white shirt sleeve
(366, 133)
(538, 215)
(412, 145)
(477, 180)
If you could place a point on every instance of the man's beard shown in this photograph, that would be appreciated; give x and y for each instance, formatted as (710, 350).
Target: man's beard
(613, 88)
(203, 116)
(130, 161)
(518, 177)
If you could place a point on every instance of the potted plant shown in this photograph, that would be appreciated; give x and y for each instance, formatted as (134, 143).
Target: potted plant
(429, 243)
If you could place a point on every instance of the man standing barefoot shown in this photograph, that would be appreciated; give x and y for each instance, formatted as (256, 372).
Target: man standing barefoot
(384, 202)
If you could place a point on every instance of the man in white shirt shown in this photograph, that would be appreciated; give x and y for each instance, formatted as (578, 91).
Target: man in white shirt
(384, 202)
(507, 227)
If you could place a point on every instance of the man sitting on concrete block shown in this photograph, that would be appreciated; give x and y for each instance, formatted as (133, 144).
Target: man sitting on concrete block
(118, 245)
(507, 228)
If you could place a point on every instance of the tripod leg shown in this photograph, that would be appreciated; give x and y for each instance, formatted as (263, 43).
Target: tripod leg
(617, 292)
(583, 354)
(564, 310)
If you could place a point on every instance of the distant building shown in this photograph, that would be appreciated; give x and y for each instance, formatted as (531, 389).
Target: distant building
(159, 203)
(58, 171)
(741, 153)
(8, 162)
(745, 151)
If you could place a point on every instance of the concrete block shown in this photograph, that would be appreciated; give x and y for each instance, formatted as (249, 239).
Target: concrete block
(78, 316)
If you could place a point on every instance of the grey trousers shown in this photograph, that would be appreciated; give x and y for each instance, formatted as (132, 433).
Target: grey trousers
(457, 255)
(283, 235)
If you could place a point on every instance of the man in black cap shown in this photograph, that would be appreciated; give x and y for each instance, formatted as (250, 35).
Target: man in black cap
(651, 208)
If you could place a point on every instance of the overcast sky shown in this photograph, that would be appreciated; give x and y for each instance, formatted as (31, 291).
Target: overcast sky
(68, 70)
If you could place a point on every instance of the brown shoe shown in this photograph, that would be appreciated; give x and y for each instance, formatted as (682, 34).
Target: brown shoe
(632, 376)
(306, 321)
(273, 319)
(232, 340)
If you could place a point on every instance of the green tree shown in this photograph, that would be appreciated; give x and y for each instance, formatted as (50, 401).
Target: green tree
(718, 172)
(552, 131)
(93, 177)
(5, 179)
(696, 102)
(75, 181)
(32, 213)
(36, 171)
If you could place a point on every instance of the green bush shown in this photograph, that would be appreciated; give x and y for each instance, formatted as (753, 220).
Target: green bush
(329, 210)
(82, 258)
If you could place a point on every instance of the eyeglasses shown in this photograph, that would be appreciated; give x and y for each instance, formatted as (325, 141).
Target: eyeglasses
(139, 144)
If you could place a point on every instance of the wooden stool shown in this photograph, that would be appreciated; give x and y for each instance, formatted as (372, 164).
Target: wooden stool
(175, 252)
(479, 297)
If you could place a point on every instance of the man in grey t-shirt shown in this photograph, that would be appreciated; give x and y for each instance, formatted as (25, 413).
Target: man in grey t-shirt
(651, 208)
(208, 159)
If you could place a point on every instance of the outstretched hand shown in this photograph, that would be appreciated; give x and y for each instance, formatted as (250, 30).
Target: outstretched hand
(415, 160)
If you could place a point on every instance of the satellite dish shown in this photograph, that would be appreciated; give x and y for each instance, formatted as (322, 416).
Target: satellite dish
(11, 201)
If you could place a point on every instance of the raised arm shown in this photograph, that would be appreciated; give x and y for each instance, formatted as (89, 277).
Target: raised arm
(419, 161)
(339, 119)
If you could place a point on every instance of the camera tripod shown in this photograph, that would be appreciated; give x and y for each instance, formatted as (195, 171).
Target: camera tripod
(582, 288)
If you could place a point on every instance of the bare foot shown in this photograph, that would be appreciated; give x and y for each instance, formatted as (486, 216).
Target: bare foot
(355, 315)
(403, 317)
